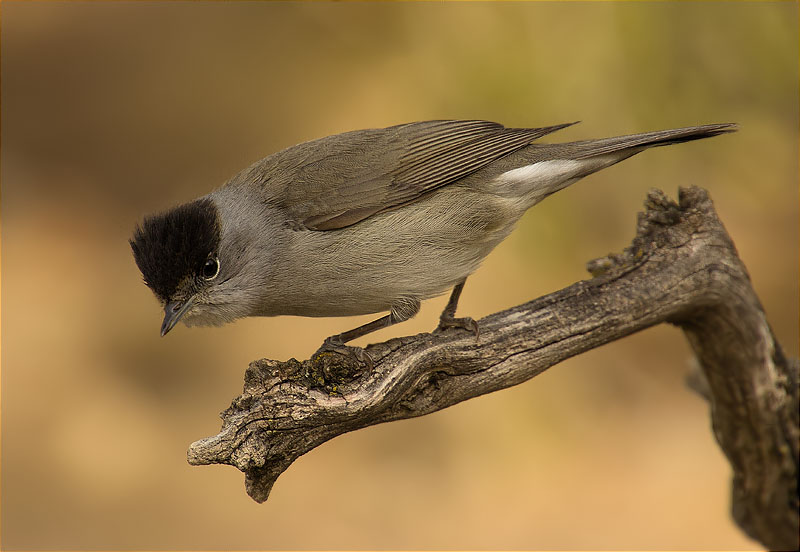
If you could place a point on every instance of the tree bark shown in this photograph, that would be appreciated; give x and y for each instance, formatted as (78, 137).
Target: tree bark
(682, 268)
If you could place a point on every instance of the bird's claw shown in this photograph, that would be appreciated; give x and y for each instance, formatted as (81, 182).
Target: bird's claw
(466, 323)
(357, 354)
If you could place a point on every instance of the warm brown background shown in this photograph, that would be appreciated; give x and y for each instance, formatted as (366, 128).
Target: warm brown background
(113, 110)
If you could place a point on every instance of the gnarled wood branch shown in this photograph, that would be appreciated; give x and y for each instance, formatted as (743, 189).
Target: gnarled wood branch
(682, 268)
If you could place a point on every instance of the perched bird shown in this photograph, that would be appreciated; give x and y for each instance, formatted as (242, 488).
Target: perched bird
(364, 222)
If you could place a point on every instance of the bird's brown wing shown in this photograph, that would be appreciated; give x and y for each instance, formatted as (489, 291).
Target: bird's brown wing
(341, 180)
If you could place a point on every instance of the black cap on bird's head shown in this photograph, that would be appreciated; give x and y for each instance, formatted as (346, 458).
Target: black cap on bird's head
(176, 251)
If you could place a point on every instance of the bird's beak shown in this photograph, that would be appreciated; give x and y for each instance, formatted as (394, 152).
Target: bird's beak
(173, 312)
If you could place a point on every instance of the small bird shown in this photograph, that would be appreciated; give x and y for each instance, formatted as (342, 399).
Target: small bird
(364, 222)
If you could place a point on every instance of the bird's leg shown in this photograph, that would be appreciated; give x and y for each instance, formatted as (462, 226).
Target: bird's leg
(369, 327)
(448, 320)
(402, 310)
(336, 343)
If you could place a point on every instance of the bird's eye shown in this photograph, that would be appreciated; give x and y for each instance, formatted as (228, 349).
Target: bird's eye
(211, 268)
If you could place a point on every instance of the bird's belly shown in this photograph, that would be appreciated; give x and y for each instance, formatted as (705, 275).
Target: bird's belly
(355, 287)
(414, 252)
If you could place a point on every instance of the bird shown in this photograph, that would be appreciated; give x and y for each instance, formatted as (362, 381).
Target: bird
(364, 222)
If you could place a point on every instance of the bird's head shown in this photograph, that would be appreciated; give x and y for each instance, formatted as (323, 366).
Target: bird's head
(182, 257)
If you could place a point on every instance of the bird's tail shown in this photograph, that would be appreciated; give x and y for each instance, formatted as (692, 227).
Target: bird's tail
(541, 170)
(636, 142)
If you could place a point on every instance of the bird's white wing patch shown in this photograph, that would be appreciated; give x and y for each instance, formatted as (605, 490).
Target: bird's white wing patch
(528, 185)
(554, 170)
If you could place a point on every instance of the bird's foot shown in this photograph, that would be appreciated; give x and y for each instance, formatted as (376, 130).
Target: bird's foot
(466, 323)
(333, 345)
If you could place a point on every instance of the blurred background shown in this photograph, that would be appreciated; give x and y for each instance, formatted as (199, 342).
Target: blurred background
(114, 110)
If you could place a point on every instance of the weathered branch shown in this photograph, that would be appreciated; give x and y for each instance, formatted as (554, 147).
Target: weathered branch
(681, 268)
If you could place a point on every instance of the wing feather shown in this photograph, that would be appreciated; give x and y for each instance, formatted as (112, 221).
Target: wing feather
(343, 179)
